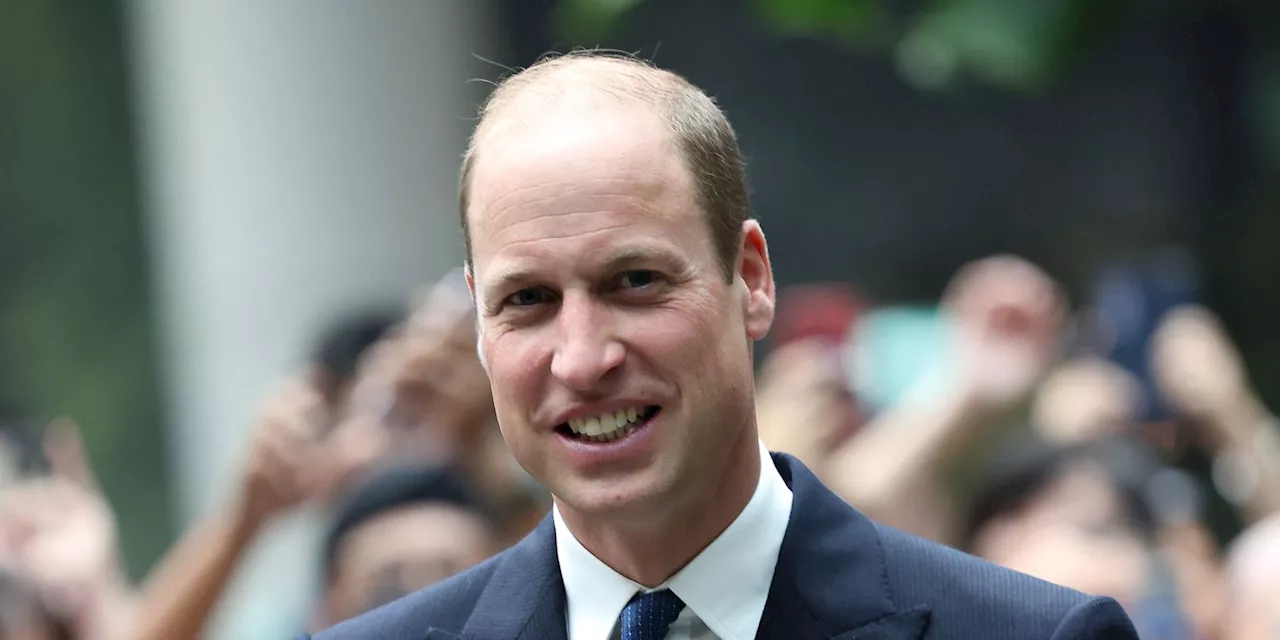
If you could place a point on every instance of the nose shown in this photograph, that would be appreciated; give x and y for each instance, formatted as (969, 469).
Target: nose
(587, 350)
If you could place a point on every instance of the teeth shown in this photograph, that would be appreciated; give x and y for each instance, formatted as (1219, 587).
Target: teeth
(606, 427)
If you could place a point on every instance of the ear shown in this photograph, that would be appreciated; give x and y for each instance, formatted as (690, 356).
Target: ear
(471, 280)
(757, 274)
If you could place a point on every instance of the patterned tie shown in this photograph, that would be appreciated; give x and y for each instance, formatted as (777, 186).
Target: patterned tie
(648, 615)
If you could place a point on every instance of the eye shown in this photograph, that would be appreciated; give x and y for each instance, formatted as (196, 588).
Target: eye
(638, 279)
(527, 297)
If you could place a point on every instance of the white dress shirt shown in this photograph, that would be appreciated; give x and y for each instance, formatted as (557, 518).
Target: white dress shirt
(724, 588)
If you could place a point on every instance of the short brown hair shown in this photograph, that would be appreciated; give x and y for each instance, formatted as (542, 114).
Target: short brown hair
(699, 128)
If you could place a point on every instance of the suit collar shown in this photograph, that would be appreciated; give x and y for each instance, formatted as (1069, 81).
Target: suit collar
(524, 598)
(831, 581)
(725, 585)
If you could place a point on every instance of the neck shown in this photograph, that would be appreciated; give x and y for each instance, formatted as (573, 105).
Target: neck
(651, 547)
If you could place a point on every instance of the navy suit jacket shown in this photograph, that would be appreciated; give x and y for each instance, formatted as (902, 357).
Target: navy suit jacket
(839, 577)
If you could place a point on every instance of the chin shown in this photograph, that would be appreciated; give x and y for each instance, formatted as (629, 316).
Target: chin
(638, 496)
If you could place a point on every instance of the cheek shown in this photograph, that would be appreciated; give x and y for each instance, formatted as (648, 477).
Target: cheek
(669, 337)
(516, 362)
(696, 336)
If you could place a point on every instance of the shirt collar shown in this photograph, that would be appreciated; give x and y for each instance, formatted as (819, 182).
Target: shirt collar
(726, 585)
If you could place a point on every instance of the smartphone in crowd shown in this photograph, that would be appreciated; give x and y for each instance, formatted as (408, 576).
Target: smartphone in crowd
(1130, 299)
(878, 354)
(893, 350)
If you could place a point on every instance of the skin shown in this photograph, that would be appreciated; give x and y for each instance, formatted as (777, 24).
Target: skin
(404, 550)
(596, 281)
(1254, 585)
(1065, 536)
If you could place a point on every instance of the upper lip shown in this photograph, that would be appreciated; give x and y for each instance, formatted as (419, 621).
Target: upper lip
(583, 411)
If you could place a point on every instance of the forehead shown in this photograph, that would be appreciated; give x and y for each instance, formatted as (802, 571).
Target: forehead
(577, 173)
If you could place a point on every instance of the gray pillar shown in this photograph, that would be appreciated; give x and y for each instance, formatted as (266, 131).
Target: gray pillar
(301, 158)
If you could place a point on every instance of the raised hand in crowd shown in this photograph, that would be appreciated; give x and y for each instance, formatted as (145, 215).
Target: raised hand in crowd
(425, 389)
(1007, 317)
(60, 533)
(1199, 371)
(279, 475)
(803, 405)
(1085, 399)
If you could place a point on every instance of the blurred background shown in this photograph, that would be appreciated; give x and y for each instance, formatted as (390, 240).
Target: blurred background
(1037, 232)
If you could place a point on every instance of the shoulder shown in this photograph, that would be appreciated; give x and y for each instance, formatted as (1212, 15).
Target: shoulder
(968, 592)
(443, 608)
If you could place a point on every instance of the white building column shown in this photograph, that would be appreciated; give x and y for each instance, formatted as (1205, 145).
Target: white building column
(301, 158)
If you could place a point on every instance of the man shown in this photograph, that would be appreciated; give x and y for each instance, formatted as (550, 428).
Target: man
(404, 527)
(24, 616)
(338, 353)
(620, 287)
(1104, 517)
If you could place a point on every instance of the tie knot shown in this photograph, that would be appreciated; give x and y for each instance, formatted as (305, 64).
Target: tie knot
(648, 615)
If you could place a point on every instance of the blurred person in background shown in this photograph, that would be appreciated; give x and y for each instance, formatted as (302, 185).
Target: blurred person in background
(1004, 318)
(401, 529)
(58, 533)
(1084, 399)
(1200, 374)
(300, 453)
(24, 616)
(423, 387)
(1105, 517)
(1253, 574)
(286, 454)
(410, 392)
(338, 354)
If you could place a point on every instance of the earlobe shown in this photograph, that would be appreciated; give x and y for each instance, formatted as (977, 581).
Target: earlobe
(757, 274)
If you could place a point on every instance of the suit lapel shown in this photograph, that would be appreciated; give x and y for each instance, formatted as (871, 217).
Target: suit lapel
(831, 581)
(525, 596)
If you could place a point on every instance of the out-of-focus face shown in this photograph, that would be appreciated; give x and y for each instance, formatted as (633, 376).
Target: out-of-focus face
(1255, 616)
(425, 385)
(1067, 535)
(29, 631)
(618, 353)
(1253, 611)
(401, 551)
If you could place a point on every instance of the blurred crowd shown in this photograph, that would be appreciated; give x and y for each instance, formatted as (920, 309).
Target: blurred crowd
(1117, 447)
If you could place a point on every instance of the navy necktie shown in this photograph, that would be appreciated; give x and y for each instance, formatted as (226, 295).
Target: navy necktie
(648, 615)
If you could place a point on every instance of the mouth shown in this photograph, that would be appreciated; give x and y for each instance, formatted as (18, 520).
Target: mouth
(608, 427)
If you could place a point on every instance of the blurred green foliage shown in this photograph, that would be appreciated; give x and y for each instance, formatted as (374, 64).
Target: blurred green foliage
(1014, 44)
(76, 333)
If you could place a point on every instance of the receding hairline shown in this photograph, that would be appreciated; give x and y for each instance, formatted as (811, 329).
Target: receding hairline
(579, 80)
(698, 130)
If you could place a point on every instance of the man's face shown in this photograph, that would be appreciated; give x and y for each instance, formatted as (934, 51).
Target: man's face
(401, 551)
(601, 301)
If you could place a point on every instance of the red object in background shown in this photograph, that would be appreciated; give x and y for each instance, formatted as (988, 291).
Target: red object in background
(826, 312)
(823, 311)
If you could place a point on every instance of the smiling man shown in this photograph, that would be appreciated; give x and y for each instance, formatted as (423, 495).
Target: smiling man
(620, 286)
